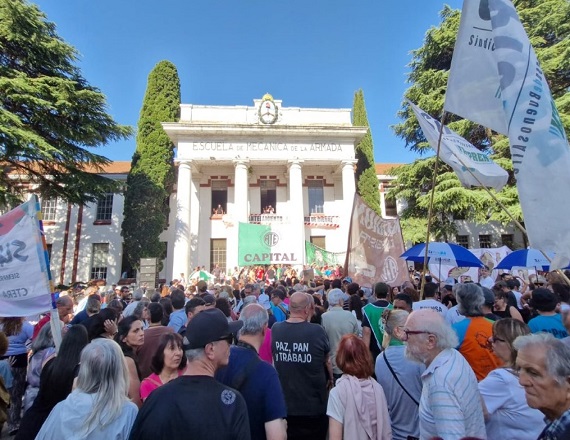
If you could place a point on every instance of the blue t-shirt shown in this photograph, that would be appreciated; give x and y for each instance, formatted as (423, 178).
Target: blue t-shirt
(278, 313)
(177, 319)
(17, 343)
(551, 324)
(261, 389)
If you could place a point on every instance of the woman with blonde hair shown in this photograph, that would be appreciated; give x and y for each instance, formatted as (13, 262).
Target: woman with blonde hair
(357, 406)
(507, 414)
(400, 377)
(98, 407)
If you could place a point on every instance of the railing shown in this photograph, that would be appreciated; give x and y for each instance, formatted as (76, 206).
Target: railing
(322, 221)
(264, 219)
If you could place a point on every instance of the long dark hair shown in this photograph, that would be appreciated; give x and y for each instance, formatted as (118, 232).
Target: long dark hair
(123, 330)
(12, 326)
(73, 342)
(97, 327)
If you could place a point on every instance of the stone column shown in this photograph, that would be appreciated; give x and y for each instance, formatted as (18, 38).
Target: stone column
(348, 184)
(182, 237)
(241, 191)
(296, 209)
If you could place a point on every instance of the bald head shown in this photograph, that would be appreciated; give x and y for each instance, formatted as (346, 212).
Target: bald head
(299, 302)
(432, 322)
(64, 308)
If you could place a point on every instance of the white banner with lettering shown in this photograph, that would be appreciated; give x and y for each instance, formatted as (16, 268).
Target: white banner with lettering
(24, 280)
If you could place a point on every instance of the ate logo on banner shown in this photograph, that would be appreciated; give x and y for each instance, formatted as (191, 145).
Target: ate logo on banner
(12, 250)
(270, 239)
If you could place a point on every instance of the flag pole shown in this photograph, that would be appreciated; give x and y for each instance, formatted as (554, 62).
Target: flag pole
(54, 316)
(349, 241)
(430, 209)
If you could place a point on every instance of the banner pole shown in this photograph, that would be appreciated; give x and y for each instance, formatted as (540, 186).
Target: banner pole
(349, 241)
(430, 209)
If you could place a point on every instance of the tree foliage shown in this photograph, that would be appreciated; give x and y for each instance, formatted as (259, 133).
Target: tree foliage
(50, 117)
(151, 179)
(366, 178)
(547, 23)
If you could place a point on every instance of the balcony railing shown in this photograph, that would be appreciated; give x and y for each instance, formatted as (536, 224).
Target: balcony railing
(322, 221)
(264, 219)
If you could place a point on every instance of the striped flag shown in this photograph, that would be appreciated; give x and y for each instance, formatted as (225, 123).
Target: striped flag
(496, 80)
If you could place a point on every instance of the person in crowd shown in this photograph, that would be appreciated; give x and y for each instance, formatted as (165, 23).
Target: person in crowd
(401, 378)
(338, 322)
(403, 301)
(450, 405)
(475, 330)
(177, 410)
(166, 304)
(43, 348)
(130, 337)
(507, 415)
(485, 279)
(117, 306)
(141, 312)
(279, 309)
(64, 310)
(224, 305)
(355, 306)
(257, 381)
(357, 407)
(104, 324)
(505, 304)
(545, 303)
(5, 380)
(178, 316)
(137, 297)
(56, 381)
(301, 357)
(92, 307)
(19, 332)
(372, 334)
(98, 408)
(126, 297)
(192, 308)
(430, 301)
(168, 363)
(543, 363)
(152, 337)
(487, 307)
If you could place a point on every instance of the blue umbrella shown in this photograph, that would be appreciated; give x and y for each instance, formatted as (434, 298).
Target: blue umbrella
(442, 253)
(525, 258)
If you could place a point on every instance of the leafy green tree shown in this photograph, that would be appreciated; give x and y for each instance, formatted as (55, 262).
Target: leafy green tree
(50, 117)
(151, 179)
(366, 179)
(547, 23)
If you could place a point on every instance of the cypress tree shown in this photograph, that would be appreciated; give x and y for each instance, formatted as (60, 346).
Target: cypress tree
(366, 179)
(151, 179)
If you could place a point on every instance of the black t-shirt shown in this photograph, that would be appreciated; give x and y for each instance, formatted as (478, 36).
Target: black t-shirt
(196, 407)
(300, 351)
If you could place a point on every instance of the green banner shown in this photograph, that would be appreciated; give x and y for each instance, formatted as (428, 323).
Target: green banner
(267, 244)
(319, 256)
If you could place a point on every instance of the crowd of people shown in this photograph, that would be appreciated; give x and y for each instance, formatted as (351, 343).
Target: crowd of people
(267, 355)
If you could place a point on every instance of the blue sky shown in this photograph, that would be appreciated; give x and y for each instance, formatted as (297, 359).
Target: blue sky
(309, 53)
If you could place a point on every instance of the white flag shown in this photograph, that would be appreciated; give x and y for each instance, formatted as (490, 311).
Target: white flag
(460, 155)
(539, 148)
(473, 88)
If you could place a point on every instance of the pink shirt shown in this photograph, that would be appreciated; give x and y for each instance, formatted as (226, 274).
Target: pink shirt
(151, 383)
(265, 349)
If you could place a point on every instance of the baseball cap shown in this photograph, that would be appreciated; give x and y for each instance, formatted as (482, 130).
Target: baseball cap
(347, 280)
(489, 296)
(209, 326)
(209, 299)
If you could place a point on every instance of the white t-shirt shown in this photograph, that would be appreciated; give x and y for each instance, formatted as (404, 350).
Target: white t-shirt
(430, 304)
(510, 417)
(453, 315)
(487, 282)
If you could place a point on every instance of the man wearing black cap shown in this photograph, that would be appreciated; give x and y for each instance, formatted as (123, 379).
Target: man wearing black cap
(195, 405)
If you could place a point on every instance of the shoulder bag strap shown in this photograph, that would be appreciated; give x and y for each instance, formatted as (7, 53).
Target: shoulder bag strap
(398, 380)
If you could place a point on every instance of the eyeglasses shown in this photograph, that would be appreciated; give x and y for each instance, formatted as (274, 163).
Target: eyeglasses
(494, 339)
(406, 333)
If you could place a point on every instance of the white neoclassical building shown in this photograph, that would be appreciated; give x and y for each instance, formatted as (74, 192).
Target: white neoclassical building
(263, 164)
